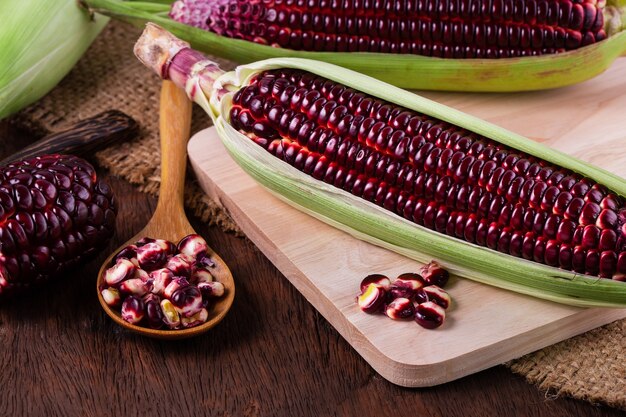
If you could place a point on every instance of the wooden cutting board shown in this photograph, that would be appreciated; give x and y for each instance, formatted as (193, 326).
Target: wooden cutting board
(486, 326)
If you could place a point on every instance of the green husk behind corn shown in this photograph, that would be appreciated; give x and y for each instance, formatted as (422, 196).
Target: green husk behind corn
(405, 70)
(369, 222)
(40, 41)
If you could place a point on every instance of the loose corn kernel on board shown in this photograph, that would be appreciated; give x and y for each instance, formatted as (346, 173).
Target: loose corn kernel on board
(486, 326)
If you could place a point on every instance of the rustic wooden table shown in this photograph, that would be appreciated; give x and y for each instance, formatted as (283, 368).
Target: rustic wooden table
(273, 355)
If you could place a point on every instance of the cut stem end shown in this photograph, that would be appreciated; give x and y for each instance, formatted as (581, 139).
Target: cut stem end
(156, 48)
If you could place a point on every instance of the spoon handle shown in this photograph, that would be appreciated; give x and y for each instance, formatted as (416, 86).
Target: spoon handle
(174, 125)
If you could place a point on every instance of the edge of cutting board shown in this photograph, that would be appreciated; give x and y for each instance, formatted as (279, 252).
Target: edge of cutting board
(206, 145)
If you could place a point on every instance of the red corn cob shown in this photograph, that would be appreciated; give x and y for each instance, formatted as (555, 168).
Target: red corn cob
(434, 173)
(439, 28)
(53, 213)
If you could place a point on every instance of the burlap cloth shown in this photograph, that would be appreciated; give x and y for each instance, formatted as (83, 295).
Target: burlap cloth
(591, 366)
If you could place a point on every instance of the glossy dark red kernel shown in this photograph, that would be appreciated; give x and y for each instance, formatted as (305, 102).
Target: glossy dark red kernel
(450, 180)
(46, 204)
(176, 295)
(439, 29)
(378, 279)
(403, 298)
(434, 274)
(429, 315)
(400, 308)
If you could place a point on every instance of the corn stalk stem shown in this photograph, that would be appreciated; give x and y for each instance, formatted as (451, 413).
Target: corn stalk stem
(174, 59)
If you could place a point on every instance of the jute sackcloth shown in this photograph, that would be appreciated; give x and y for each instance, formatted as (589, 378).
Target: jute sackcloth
(591, 366)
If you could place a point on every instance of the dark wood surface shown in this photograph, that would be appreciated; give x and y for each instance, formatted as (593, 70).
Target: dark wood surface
(273, 355)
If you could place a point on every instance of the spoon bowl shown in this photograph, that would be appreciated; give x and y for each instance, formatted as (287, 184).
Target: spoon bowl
(169, 221)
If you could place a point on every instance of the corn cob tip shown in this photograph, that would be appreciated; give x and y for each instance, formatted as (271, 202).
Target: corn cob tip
(156, 48)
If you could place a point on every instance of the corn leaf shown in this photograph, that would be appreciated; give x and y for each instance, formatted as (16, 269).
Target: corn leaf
(41, 41)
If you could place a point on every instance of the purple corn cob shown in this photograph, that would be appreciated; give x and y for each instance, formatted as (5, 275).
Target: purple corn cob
(54, 212)
(191, 13)
(438, 28)
(434, 173)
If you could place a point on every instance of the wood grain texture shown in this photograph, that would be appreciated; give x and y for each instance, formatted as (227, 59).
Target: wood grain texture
(273, 355)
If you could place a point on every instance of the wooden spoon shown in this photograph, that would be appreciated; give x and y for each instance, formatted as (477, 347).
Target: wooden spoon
(169, 220)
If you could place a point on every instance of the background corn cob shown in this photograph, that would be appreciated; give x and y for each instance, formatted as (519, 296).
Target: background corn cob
(409, 70)
(54, 212)
(440, 28)
(427, 138)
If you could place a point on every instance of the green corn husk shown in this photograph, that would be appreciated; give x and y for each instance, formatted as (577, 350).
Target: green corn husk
(213, 90)
(376, 225)
(406, 71)
(41, 41)
(369, 222)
